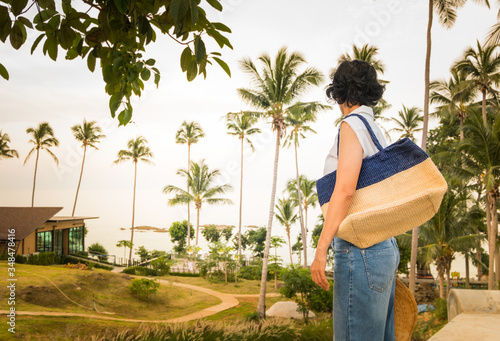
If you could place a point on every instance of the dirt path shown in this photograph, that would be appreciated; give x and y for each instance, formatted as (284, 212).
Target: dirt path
(227, 301)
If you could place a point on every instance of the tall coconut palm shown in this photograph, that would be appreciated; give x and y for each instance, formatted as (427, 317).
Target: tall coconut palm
(298, 121)
(242, 125)
(203, 188)
(5, 150)
(408, 122)
(137, 151)
(42, 138)
(189, 133)
(308, 194)
(482, 69)
(89, 134)
(276, 89)
(287, 216)
(481, 148)
(454, 97)
(446, 12)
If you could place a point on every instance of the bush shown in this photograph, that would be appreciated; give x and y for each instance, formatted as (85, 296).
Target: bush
(185, 274)
(65, 259)
(321, 300)
(161, 265)
(252, 272)
(43, 258)
(140, 271)
(99, 250)
(441, 311)
(143, 288)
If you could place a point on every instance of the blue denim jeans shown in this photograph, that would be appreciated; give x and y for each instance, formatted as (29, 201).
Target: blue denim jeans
(363, 303)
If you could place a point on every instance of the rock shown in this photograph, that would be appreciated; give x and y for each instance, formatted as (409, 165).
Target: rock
(286, 309)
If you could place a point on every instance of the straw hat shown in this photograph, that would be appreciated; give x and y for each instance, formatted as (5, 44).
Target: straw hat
(405, 312)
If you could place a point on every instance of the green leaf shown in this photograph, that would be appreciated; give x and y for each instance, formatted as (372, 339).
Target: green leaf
(145, 74)
(47, 4)
(18, 6)
(25, 21)
(71, 54)
(219, 38)
(91, 62)
(115, 101)
(5, 23)
(223, 65)
(157, 79)
(108, 74)
(186, 57)
(178, 9)
(150, 62)
(192, 71)
(3, 72)
(50, 46)
(66, 6)
(221, 27)
(122, 5)
(17, 35)
(194, 11)
(215, 4)
(199, 49)
(66, 35)
(43, 16)
(125, 116)
(37, 41)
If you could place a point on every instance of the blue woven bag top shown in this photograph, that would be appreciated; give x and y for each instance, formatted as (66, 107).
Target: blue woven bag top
(397, 157)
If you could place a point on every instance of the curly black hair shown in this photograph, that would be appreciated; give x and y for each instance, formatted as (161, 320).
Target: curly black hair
(355, 82)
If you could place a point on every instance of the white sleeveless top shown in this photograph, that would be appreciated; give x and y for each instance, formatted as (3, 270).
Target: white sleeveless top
(363, 135)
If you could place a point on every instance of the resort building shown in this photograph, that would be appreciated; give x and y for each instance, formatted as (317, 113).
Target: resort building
(37, 229)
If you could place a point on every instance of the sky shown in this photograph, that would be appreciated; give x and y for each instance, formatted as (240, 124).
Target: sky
(63, 93)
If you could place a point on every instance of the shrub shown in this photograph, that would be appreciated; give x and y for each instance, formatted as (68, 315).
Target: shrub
(321, 300)
(441, 311)
(143, 288)
(98, 250)
(161, 265)
(252, 272)
(43, 258)
(140, 271)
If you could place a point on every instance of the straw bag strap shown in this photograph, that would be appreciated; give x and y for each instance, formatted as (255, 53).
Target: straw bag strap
(370, 130)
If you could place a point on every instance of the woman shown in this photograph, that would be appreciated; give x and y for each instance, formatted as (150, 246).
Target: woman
(364, 278)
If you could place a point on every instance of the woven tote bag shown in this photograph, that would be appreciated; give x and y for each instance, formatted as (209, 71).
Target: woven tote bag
(398, 189)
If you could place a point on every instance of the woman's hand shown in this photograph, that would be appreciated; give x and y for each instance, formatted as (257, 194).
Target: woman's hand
(318, 267)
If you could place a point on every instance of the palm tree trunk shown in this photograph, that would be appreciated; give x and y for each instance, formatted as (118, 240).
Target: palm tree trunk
(289, 246)
(133, 214)
(241, 201)
(189, 204)
(448, 282)
(80, 180)
(479, 257)
(483, 107)
(261, 307)
(491, 243)
(414, 237)
(467, 272)
(494, 223)
(34, 179)
(302, 227)
(441, 283)
(197, 224)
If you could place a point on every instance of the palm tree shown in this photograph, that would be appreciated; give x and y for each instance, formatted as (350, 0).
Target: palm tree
(124, 244)
(298, 121)
(308, 194)
(241, 125)
(446, 233)
(5, 150)
(287, 216)
(408, 122)
(481, 148)
(446, 11)
(89, 135)
(42, 138)
(482, 69)
(366, 53)
(137, 151)
(275, 91)
(202, 188)
(189, 133)
(454, 98)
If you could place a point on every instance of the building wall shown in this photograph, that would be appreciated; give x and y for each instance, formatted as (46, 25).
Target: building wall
(29, 243)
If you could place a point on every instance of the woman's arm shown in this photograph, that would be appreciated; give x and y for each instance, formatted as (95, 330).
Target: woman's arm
(349, 165)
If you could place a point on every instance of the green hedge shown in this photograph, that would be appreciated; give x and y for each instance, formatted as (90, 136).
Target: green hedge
(185, 274)
(140, 271)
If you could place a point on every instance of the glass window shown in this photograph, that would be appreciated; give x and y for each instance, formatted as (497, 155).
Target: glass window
(58, 238)
(76, 235)
(44, 242)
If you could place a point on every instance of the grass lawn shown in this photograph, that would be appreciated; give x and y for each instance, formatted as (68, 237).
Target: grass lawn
(243, 287)
(108, 290)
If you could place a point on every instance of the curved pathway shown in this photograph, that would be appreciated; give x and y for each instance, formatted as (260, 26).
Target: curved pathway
(227, 301)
